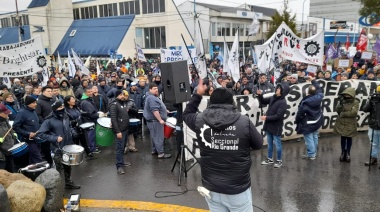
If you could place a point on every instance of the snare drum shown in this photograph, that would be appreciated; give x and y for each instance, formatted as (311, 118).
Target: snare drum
(87, 126)
(134, 122)
(19, 149)
(72, 155)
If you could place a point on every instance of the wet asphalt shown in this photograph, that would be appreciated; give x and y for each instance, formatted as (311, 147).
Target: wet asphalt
(325, 184)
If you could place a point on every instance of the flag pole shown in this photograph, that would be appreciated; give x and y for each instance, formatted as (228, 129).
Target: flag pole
(187, 49)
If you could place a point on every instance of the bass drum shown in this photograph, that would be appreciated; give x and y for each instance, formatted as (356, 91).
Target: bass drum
(104, 134)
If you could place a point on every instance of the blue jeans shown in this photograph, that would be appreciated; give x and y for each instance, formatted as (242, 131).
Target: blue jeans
(277, 141)
(156, 136)
(120, 143)
(311, 141)
(226, 202)
(375, 142)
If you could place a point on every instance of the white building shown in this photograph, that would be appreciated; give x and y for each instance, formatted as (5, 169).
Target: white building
(219, 23)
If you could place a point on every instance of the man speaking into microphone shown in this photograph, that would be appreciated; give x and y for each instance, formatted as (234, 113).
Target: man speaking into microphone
(225, 139)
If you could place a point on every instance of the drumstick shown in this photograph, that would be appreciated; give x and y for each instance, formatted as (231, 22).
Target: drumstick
(7, 132)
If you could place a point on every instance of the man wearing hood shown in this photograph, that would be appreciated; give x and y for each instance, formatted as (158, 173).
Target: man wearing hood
(309, 118)
(225, 139)
(65, 88)
(103, 88)
(346, 123)
(79, 92)
(274, 122)
(55, 130)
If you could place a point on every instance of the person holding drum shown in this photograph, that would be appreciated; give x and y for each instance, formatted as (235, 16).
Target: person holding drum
(155, 113)
(6, 141)
(120, 121)
(75, 118)
(134, 123)
(26, 126)
(56, 130)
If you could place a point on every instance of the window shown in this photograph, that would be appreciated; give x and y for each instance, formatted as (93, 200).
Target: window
(88, 12)
(107, 10)
(224, 29)
(213, 29)
(129, 7)
(154, 37)
(153, 6)
(25, 19)
(76, 14)
(235, 28)
(5, 22)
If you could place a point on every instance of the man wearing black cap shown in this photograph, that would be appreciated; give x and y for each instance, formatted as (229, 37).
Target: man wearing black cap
(6, 142)
(120, 121)
(26, 125)
(225, 139)
(55, 131)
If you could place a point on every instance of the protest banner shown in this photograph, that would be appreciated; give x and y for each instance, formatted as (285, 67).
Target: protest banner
(22, 59)
(249, 106)
(168, 55)
(285, 45)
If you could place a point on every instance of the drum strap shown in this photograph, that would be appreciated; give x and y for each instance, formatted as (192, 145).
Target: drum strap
(100, 106)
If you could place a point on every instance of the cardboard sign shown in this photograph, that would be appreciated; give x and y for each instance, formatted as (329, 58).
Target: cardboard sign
(311, 69)
(344, 63)
(367, 55)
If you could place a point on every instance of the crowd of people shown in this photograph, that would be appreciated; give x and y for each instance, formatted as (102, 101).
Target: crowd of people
(51, 116)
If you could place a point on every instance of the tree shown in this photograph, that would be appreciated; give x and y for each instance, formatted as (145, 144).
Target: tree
(371, 9)
(286, 17)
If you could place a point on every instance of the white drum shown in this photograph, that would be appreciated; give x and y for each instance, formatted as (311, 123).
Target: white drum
(87, 125)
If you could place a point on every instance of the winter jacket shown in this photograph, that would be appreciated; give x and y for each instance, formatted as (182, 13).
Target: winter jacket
(266, 87)
(276, 110)
(18, 91)
(8, 141)
(43, 108)
(65, 91)
(133, 111)
(112, 93)
(79, 92)
(53, 127)
(347, 109)
(88, 106)
(225, 139)
(14, 108)
(119, 116)
(101, 102)
(26, 122)
(309, 116)
(373, 107)
(103, 89)
(137, 98)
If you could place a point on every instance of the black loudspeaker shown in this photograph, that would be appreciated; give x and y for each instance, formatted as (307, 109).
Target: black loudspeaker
(175, 81)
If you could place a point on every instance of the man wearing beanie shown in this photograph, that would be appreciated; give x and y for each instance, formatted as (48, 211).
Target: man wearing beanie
(26, 126)
(225, 139)
(373, 107)
(120, 122)
(274, 122)
(55, 130)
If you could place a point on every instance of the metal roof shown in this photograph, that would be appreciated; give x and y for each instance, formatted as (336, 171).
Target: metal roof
(38, 3)
(9, 35)
(266, 11)
(95, 37)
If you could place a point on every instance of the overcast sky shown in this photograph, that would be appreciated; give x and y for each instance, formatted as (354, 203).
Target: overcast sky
(294, 5)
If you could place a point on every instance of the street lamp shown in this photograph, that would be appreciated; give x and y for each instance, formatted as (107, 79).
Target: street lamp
(303, 8)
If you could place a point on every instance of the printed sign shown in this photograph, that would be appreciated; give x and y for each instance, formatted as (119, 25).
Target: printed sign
(344, 63)
(249, 106)
(367, 55)
(168, 55)
(22, 59)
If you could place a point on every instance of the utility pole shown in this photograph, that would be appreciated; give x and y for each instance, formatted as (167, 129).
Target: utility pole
(18, 23)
